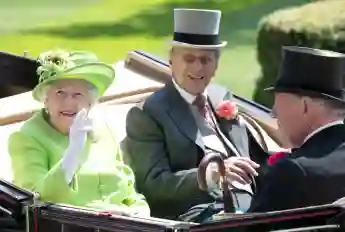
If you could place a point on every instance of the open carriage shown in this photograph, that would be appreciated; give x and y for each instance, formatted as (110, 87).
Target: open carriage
(138, 76)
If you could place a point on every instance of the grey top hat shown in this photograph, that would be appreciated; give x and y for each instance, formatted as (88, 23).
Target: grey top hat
(197, 28)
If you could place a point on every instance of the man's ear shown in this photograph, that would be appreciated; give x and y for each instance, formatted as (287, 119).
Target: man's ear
(305, 105)
(170, 55)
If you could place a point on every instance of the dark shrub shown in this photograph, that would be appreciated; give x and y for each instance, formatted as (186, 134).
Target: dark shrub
(320, 24)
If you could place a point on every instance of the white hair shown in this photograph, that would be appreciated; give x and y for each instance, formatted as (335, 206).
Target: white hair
(92, 92)
(216, 51)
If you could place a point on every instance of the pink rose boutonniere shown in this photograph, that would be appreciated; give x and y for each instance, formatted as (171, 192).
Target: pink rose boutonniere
(228, 110)
(276, 156)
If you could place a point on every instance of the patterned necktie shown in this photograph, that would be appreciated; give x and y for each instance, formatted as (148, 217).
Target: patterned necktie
(201, 104)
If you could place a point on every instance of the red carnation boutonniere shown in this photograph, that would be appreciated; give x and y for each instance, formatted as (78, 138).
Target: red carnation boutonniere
(276, 156)
(228, 110)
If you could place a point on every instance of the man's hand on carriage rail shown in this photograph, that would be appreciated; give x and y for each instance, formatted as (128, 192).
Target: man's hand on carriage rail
(81, 126)
(240, 169)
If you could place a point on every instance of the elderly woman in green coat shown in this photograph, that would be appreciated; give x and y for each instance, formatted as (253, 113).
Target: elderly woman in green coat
(63, 154)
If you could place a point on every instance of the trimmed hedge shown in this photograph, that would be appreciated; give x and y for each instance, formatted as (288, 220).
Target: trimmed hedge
(320, 24)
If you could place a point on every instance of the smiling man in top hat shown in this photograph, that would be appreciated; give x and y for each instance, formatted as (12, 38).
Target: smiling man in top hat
(310, 108)
(169, 133)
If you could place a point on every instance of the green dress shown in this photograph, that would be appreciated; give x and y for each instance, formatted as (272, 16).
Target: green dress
(102, 181)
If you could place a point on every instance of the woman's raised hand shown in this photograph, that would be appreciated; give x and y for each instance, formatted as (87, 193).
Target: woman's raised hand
(72, 157)
(82, 124)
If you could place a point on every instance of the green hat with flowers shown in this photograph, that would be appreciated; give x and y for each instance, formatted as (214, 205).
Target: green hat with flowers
(58, 64)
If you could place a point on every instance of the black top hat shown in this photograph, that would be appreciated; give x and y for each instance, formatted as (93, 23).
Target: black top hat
(18, 70)
(311, 72)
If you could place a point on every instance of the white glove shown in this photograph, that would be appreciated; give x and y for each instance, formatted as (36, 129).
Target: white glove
(72, 157)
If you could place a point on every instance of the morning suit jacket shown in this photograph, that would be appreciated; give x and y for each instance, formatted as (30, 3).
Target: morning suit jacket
(164, 149)
(313, 174)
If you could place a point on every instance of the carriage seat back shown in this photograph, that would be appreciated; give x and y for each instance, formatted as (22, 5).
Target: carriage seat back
(5, 164)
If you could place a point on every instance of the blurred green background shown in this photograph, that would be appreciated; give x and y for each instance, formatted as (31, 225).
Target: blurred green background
(111, 28)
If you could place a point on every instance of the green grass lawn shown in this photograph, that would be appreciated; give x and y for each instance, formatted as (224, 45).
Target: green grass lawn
(111, 28)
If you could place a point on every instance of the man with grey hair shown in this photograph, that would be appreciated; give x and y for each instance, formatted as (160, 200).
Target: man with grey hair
(310, 106)
(169, 133)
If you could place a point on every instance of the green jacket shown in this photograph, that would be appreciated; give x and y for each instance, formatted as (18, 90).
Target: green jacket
(103, 181)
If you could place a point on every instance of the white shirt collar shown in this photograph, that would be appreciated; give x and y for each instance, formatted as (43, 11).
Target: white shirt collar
(338, 122)
(189, 98)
